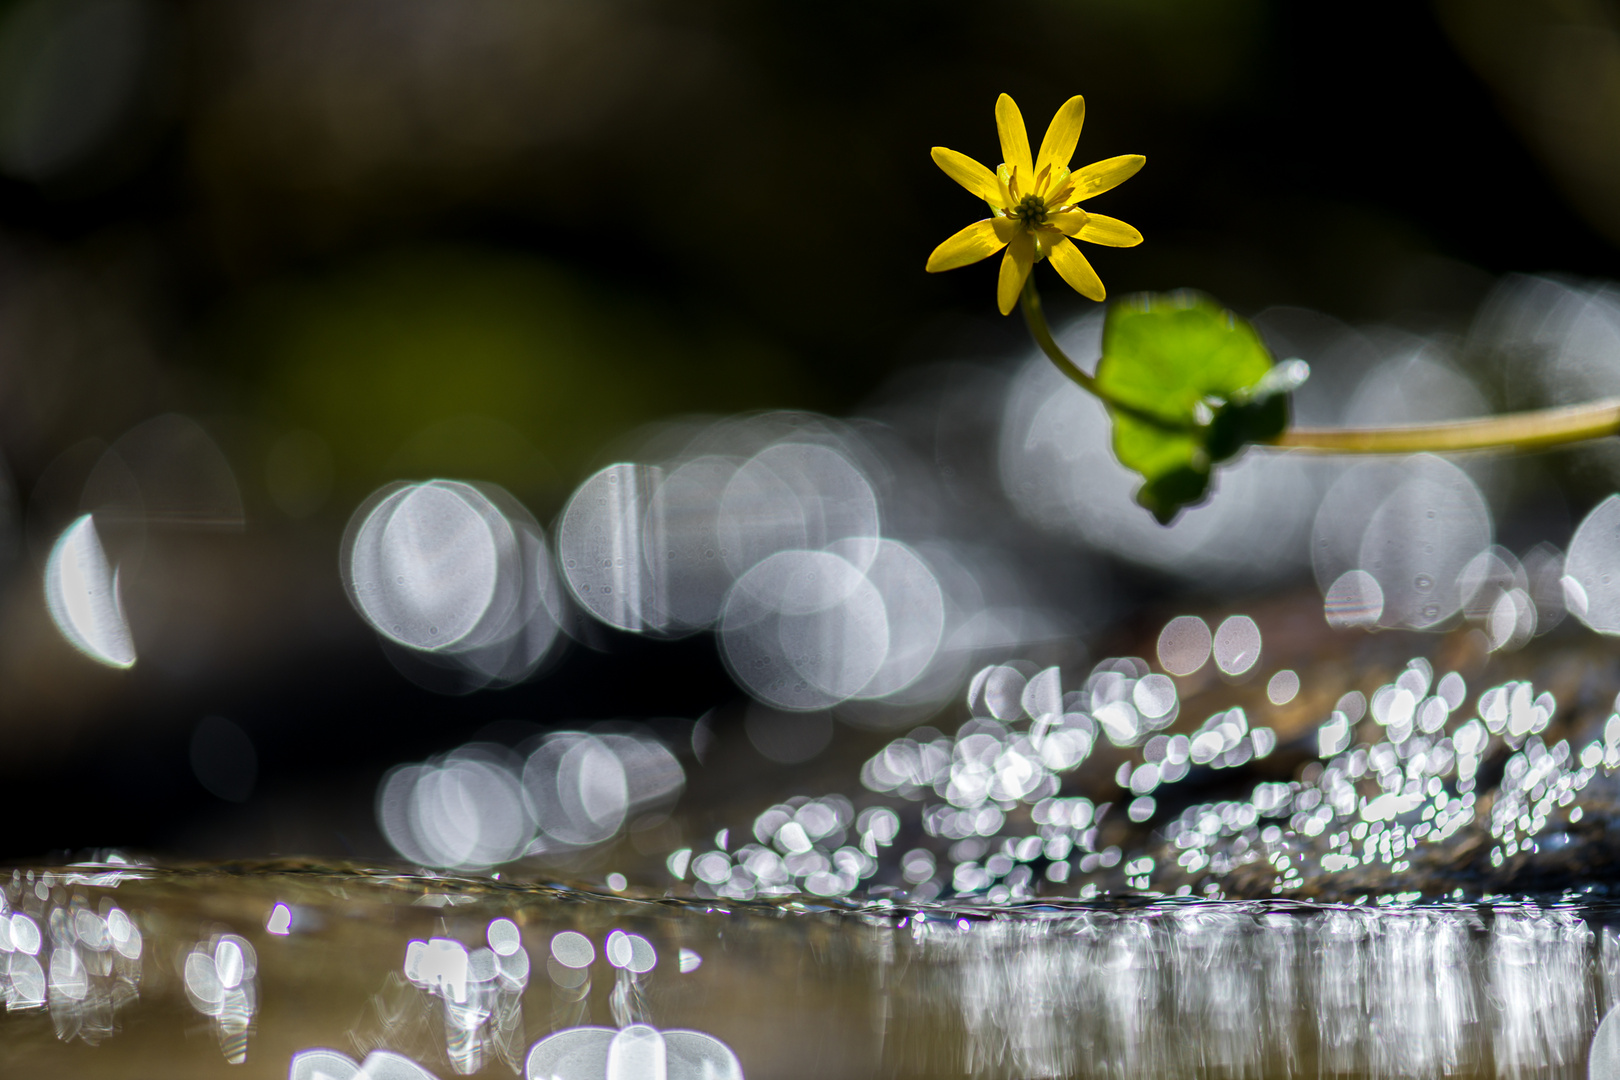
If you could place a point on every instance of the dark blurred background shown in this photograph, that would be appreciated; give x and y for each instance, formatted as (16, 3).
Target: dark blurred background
(375, 239)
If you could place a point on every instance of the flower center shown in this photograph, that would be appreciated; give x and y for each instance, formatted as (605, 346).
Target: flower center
(1030, 210)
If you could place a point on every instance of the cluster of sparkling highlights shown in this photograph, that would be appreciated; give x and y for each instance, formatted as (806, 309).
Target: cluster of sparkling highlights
(1034, 204)
(57, 953)
(1008, 765)
(991, 814)
(480, 993)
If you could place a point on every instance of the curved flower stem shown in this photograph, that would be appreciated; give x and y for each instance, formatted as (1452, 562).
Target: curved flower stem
(1030, 301)
(1523, 431)
(1036, 318)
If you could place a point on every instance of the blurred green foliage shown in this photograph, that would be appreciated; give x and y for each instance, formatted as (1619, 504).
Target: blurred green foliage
(487, 365)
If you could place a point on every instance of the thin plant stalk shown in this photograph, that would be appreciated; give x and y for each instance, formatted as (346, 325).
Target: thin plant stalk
(1522, 432)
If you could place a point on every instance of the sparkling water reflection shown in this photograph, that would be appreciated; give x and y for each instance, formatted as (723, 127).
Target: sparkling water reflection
(881, 987)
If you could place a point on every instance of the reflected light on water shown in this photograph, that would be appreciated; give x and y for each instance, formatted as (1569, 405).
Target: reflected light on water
(335, 1065)
(81, 591)
(1426, 991)
(480, 992)
(221, 980)
(636, 1052)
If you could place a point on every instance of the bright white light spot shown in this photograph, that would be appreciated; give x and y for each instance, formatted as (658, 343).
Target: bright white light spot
(1184, 645)
(322, 1065)
(386, 1065)
(1120, 722)
(1604, 1061)
(572, 949)
(24, 934)
(913, 604)
(280, 921)
(1154, 696)
(202, 983)
(1334, 736)
(1452, 690)
(599, 546)
(618, 949)
(1355, 599)
(804, 630)
(796, 495)
(81, 591)
(1512, 621)
(503, 936)
(1283, 687)
(1592, 569)
(578, 787)
(1420, 540)
(1237, 644)
(440, 965)
(688, 578)
(1004, 688)
(1432, 715)
(228, 962)
(424, 564)
(690, 961)
(643, 957)
(469, 813)
(69, 981)
(1043, 694)
(637, 1053)
(617, 882)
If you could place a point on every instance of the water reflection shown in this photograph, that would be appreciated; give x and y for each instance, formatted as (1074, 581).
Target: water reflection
(82, 964)
(1251, 990)
(334, 1065)
(480, 991)
(893, 987)
(635, 1052)
(221, 980)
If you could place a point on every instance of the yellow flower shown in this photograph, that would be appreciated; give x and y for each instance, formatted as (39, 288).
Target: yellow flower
(1034, 204)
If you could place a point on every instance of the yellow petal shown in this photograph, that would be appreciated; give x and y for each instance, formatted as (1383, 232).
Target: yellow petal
(1015, 268)
(1058, 188)
(1004, 180)
(979, 240)
(1071, 222)
(1074, 269)
(1014, 140)
(1098, 178)
(1058, 146)
(978, 179)
(1110, 232)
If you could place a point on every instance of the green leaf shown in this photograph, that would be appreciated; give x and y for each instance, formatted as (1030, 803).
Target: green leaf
(1189, 385)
